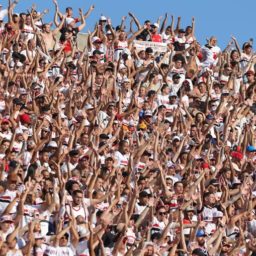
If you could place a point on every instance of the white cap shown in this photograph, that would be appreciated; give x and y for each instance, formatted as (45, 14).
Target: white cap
(22, 91)
(235, 167)
(176, 138)
(19, 131)
(217, 214)
(173, 94)
(197, 157)
(88, 106)
(155, 25)
(148, 113)
(122, 66)
(95, 38)
(103, 18)
(126, 80)
(170, 164)
(53, 144)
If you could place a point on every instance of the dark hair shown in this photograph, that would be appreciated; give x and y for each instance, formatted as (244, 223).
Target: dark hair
(78, 191)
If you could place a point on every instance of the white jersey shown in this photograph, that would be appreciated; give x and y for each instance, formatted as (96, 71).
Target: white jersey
(28, 32)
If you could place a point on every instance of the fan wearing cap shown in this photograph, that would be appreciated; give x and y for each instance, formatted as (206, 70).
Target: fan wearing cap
(250, 152)
(6, 226)
(97, 47)
(5, 132)
(179, 40)
(245, 55)
(154, 35)
(142, 202)
(70, 32)
(172, 104)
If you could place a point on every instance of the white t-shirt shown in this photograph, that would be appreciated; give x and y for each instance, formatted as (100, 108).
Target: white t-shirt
(14, 253)
(82, 249)
(122, 160)
(5, 199)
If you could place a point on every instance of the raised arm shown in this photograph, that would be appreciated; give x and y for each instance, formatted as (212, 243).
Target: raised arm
(135, 20)
(164, 23)
(82, 20)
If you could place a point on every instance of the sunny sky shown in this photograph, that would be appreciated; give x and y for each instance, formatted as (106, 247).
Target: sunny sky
(221, 18)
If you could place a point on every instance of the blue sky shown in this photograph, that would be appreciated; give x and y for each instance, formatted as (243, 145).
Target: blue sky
(221, 18)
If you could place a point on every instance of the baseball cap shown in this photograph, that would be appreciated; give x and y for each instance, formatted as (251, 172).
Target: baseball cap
(246, 45)
(155, 25)
(25, 119)
(181, 30)
(88, 106)
(237, 155)
(200, 233)
(176, 75)
(5, 121)
(217, 214)
(148, 113)
(52, 144)
(96, 39)
(213, 182)
(198, 252)
(103, 18)
(122, 66)
(249, 72)
(23, 91)
(126, 80)
(97, 52)
(144, 193)
(6, 218)
(251, 148)
(173, 94)
(176, 138)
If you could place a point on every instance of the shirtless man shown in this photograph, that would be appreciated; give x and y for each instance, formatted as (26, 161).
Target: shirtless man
(47, 34)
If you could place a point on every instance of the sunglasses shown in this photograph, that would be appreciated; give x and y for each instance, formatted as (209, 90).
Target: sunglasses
(162, 213)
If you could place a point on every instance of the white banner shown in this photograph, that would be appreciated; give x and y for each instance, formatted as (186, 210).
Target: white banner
(157, 47)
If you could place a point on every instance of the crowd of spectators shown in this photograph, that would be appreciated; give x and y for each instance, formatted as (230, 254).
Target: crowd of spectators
(116, 149)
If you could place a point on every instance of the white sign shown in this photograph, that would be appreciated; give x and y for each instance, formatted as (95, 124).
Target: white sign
(157, 47)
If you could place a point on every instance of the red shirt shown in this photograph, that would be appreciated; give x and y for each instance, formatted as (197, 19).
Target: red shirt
(67, 46)
(156, 38)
